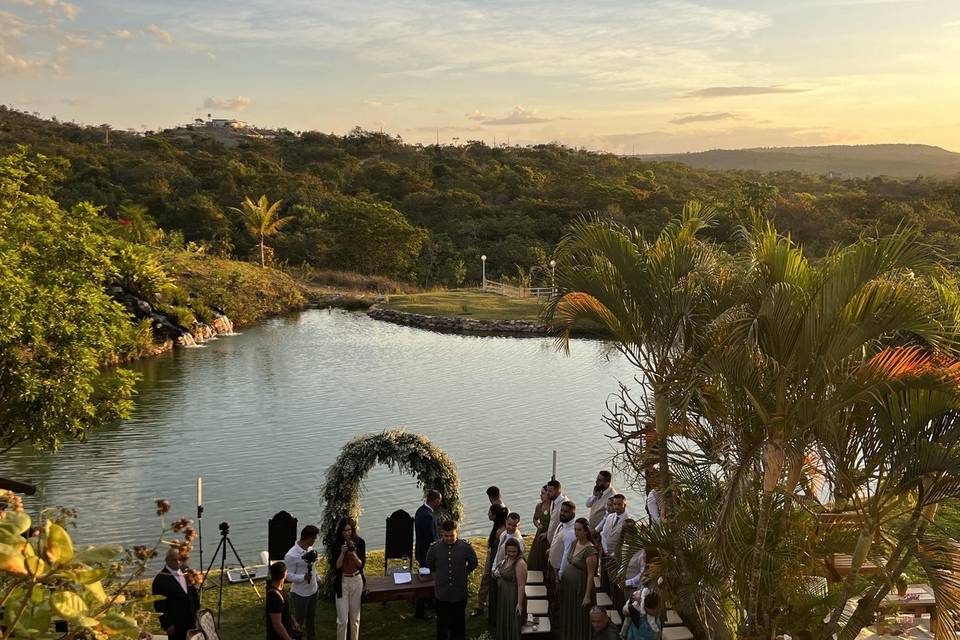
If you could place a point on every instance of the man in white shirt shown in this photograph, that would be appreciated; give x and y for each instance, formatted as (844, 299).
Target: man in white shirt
(635, 570)
(563, 538)
(597, 502)
(512, 530)
(634, 574)
(612, 527)
(653, 505)
(556, 501)
(303, 581)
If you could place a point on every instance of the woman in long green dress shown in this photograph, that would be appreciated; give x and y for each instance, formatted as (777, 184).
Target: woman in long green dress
(576, 585)
(511, 604)
(537, 558)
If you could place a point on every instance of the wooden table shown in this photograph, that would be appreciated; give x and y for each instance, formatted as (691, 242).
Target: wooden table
(918, 601)
(383, 589)
(839, 565)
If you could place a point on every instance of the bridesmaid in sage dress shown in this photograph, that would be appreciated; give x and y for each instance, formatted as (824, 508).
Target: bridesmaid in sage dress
(511, 605)
(537, 558)
(576, 585)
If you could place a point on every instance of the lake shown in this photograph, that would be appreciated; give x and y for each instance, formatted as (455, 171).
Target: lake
(262, 415)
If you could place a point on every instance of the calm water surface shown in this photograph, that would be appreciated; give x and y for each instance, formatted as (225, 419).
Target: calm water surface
(262, 415)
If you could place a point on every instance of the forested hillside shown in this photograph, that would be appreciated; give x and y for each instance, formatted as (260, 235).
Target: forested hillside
(855, 161)
(368, 202)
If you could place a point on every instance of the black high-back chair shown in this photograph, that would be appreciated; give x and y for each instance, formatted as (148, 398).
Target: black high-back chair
(399, 541)
(281, 535)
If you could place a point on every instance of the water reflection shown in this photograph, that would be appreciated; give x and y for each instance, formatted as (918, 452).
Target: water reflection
(263, 414)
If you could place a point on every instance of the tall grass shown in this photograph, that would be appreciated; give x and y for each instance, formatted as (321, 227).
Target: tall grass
(347, 280)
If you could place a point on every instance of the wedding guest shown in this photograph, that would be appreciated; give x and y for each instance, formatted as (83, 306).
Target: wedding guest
(348, 554)
(597, 502)
(612, 528)
(425, 525)
(603, 629)
(537, 558)
(511, 580)
(280, 625)
(451, 561)
(644, 623)
(497, 514)
(302, 574)
(178, 608)
(511, 531)
(576, 585)
(653, 505)
(634, 573)
(562, 540)
(556, 500)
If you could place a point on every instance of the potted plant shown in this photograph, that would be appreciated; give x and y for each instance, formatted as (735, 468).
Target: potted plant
(901, 584)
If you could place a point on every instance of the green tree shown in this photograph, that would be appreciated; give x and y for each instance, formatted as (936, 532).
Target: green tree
(261, 220)
(58, 326)
(372, 237)
(653, 298)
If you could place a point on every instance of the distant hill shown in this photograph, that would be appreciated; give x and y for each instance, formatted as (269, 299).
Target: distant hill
(848, 161)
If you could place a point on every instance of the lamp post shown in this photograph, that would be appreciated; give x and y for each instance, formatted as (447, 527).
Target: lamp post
(553, 276)
(483, 267)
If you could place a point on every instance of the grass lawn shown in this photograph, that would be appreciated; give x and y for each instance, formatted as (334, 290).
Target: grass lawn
(463, 303)
(243, 617)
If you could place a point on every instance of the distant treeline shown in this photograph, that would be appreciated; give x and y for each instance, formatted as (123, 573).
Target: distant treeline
(368, 202)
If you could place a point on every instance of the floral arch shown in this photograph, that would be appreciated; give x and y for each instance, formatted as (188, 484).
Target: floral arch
(400, 450)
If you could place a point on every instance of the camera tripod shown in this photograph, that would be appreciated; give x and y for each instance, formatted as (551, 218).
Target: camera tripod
(222, 550)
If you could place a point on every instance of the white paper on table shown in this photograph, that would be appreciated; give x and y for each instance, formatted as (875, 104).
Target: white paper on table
(402, 577)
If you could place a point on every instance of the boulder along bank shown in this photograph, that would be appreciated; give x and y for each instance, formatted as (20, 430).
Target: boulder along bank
(446, 324)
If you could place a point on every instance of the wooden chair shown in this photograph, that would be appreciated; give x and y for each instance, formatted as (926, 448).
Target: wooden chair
(207, 624)
(281, 535)
(398, 544)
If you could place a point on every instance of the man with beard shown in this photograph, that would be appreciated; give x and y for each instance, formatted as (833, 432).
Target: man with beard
(597, 503)
(563, 537)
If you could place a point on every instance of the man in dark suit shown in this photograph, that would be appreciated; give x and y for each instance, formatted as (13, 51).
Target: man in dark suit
(425, 526)
(178, 609)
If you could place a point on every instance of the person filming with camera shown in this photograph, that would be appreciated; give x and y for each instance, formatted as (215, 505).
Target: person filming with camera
(347, 556)
(302, 573)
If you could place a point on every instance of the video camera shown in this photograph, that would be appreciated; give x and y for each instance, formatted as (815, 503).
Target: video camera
(310, 556)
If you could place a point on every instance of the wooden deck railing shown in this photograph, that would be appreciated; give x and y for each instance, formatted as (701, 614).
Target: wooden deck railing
(512, 291)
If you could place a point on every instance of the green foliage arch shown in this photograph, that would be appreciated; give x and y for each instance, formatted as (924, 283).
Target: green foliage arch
(410, 453)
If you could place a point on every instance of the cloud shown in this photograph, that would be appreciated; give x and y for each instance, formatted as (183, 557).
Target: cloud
(122, 34)
(68, 9)
(704, 117)
(445, 128)
(76, 41)
(228, 104)
(723, 92)
(70, 101)
(661, 47)
(952, 24)
(12, 64)
(10, 25)
(159, 33)
(378, 104)
(519, 115)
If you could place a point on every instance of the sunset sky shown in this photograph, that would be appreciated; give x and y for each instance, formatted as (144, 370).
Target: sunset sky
(642, 76)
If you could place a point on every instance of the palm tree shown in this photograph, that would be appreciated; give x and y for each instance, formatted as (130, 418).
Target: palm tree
(779, 374)
(803, 366)
(651, 297)
(261, 220)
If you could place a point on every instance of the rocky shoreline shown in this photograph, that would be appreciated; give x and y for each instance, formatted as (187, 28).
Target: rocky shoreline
(167, 333)
(445, 324)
